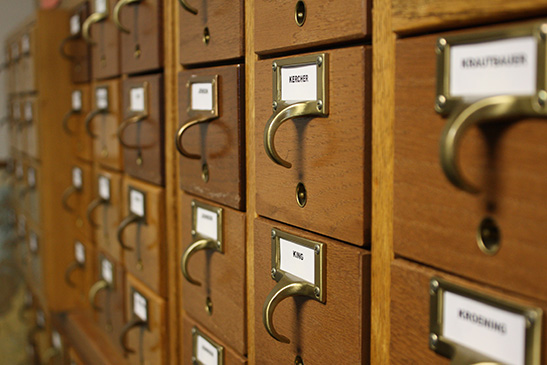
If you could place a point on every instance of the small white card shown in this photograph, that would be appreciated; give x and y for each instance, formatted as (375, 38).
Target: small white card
(56, 340)
(207, 223)
(25, 44)
(136, 202)
(100, 6)
(140, 306)
(31, 177)
(79, 252)
(202, 96)
(101, 96)
(299, 83)
(76, 100)
(28, 111)
(40, 318)
(75, 24)
(136, 95)
(77, 177)
(33, 242)
(104, 187)
(297, 260)
(107, 271)
(207, 353)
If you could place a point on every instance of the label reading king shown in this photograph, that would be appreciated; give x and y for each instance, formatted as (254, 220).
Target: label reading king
(297, 260)
(496, 333)
(299, 83)
(100, 6)
(106, 271)
(77, 177)
(136, 202)
(207, 223)
(33, 242)
(101, 94)
(202, 96)
(504, 67)
(207, 353)
(79, 252)
(77, 100)
(136, 96)
(75, 24)
(31, 177)
(140, 306)
(104, 187)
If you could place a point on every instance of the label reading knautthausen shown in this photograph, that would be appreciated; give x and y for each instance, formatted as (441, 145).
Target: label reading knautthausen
(485, 329)
(299, 83)
(504, 67)
(297, 260)
(202, 96)
(207, 354)
(206, 224)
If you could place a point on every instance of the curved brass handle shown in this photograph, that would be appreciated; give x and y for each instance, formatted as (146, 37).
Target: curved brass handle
(188, 7)
(93, 18)
(73, 266)
(285, 288)
(68, 192)
(89, 118)
(463, 356)
(204, 244)
(116, 13)
(485, 110)
(301, 109)
(49, 354)
(134, 322)
(63, 44)
(125, 124)
(90, 208)
(97, 287)
(132, 218)
(178, 137)
(66, 118)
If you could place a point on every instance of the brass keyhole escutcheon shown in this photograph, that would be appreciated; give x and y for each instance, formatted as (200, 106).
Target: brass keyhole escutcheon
(301, 195)
(298, 360)
(139, 161)
(300, 13)
(137, 53)
(205, 172)
(488, 236)
(206, 36)
(140, 266)
(209, 306)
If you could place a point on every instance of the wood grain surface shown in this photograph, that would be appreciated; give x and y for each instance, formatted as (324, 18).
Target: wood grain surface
(105, 54)
(79, 49)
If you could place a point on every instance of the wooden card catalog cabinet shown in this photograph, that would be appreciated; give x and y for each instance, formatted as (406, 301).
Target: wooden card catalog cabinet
(211, 136)
(141, 134)
(467, 198)
(75, 48)
(313, 142)
(211, 30)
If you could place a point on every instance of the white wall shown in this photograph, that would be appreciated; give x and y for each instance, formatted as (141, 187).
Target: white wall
(12, 14)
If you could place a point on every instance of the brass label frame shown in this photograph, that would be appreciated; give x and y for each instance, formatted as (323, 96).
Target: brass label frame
(220, 349)
(445, 103)
(99, 176)
(105, 87)
(111, 285)
(219, 212)
(320, 259)
(146, 99)
(213, 113)
(144, 203)
(445, 347)
(132, 292)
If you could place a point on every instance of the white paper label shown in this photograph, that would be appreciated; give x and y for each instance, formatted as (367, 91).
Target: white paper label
(33, 242)
(19, 170)
(202, 96)
(75, 24)
(77, 100)
(101, 94)
(14, 50)
(297, 260)
(100, 6)
(16, 111)
(140, 305)
(106, 271)
(56, 340)
(25, 43)
(104, 187)
(79, 252)
(40, 318)
(485, 329)
(136, 202)
(31, 177)
(136, 95)
(504, 67)
(207, 223)
(21, 225)
(77, 177)
(28, 111)
(299, 83)
(207, 353)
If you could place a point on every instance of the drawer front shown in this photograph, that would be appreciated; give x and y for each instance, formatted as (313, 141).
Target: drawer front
(104, 40)
(31, 129)
(219, 302)
(411, 310)
(149, 338)
(329, 179)
(214, 31)
(142, 44)
(213, 165)
(77, 197)
(444, 227)
(75, 48)
(344, 293)
(203, 345)
(142, 131)
(289, 24)
(143, 233)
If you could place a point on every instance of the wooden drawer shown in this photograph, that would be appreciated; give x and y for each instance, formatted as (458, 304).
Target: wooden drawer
(74, 123)
(80, 272)
(147, 337)
(411, 303)
(286, 25)
(75, 48)
(439, 225)
(204, 346)
(341, 303)
(216, 297)
(142, 132)
(330, 154)
(141, 29)
(78, 196)
(143, 233)
(213, 163)
(211, 31)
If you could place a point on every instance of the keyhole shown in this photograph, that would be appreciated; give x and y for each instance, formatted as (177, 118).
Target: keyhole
(300, 13)
(488, 236)
(206, 36)
(205, 172)
(298, 360)
(138, 52)
(301, 195)
(209, 306)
